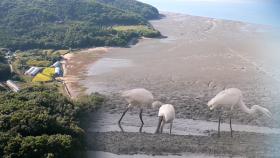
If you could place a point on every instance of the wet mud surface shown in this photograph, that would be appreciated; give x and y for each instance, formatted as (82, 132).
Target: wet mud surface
(129, 143)
(199, 58)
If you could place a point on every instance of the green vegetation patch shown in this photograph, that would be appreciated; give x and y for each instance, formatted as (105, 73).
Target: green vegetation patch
(48, 51)
(62, 51)
(38, 121)
(35, 62)
(130, 27)
(5, 71)
(41, 77)
(60, 24)
(34, 57)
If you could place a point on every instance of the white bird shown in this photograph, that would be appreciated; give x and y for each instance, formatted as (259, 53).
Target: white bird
(166, 114)
(139, 97)
(233, 97)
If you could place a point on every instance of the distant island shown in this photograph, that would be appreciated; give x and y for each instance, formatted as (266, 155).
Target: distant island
(64, 24)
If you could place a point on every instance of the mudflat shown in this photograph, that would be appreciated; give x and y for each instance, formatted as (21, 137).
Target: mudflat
(196, 58)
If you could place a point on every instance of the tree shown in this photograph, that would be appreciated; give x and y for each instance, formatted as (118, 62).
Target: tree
(5, 71)
(21, 61)
(38, 121)
(41, 24)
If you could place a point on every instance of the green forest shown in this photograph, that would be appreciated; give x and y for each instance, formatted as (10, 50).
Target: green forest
(65, 24)
(39, 122)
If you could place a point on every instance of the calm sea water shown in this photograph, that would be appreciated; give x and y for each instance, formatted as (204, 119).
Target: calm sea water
(254, 11)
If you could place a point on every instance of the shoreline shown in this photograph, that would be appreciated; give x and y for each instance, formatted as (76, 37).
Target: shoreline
(199, 58)
(71, 80)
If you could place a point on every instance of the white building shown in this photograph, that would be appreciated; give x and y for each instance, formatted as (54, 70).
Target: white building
(56, 64)
(57, 70)
(34, 71)
(13, 85)
(29, 71)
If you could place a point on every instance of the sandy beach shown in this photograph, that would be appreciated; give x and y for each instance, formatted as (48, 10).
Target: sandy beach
(195, 59)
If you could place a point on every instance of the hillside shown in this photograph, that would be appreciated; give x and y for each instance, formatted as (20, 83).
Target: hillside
(63, 24)
(145, 10)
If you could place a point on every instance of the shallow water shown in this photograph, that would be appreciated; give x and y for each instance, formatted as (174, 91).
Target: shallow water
(101, 154)
(104, 65)
(105, 122)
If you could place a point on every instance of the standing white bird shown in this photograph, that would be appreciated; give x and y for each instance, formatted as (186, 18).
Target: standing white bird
(166, 114)
(233, 97)
(139, 97)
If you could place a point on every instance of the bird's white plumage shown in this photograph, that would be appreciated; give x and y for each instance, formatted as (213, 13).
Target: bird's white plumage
(138, 96)
(226, 98)
(168, 113)
(233, 97)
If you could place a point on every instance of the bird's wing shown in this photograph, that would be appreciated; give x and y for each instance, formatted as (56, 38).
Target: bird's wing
(138, 96)
(225, 98)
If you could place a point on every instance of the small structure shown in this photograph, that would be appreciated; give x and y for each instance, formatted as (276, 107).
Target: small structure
(10, 53)
(29, 71)
(58, 22)
(57, 70)
(13, 85)
(56, 64)
(34, 71)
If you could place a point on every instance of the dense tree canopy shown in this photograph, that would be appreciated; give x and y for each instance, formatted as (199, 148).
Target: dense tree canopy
(61, 24)
(147, 11)
(5, 72)
(40, 122)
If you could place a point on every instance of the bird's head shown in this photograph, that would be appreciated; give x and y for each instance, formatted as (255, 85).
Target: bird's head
(156, 104)
(271, 116)
(267, 113)
(211, 104)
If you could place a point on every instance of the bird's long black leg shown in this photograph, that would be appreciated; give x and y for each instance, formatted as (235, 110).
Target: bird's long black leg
(121, 127)
(219, 126)
(140, 115)
(230, 126)
(159, 124)
(140, 130)
(171, 127)
(123, 115)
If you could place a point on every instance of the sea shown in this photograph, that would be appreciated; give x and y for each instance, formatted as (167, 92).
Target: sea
(265, 12)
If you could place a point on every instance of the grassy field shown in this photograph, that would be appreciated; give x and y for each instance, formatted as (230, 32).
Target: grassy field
(48, 50)
(41, 77)
(62, 51)
(48, 71)
(131, 27)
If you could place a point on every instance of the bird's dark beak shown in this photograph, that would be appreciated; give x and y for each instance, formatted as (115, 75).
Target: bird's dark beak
(159, 123)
